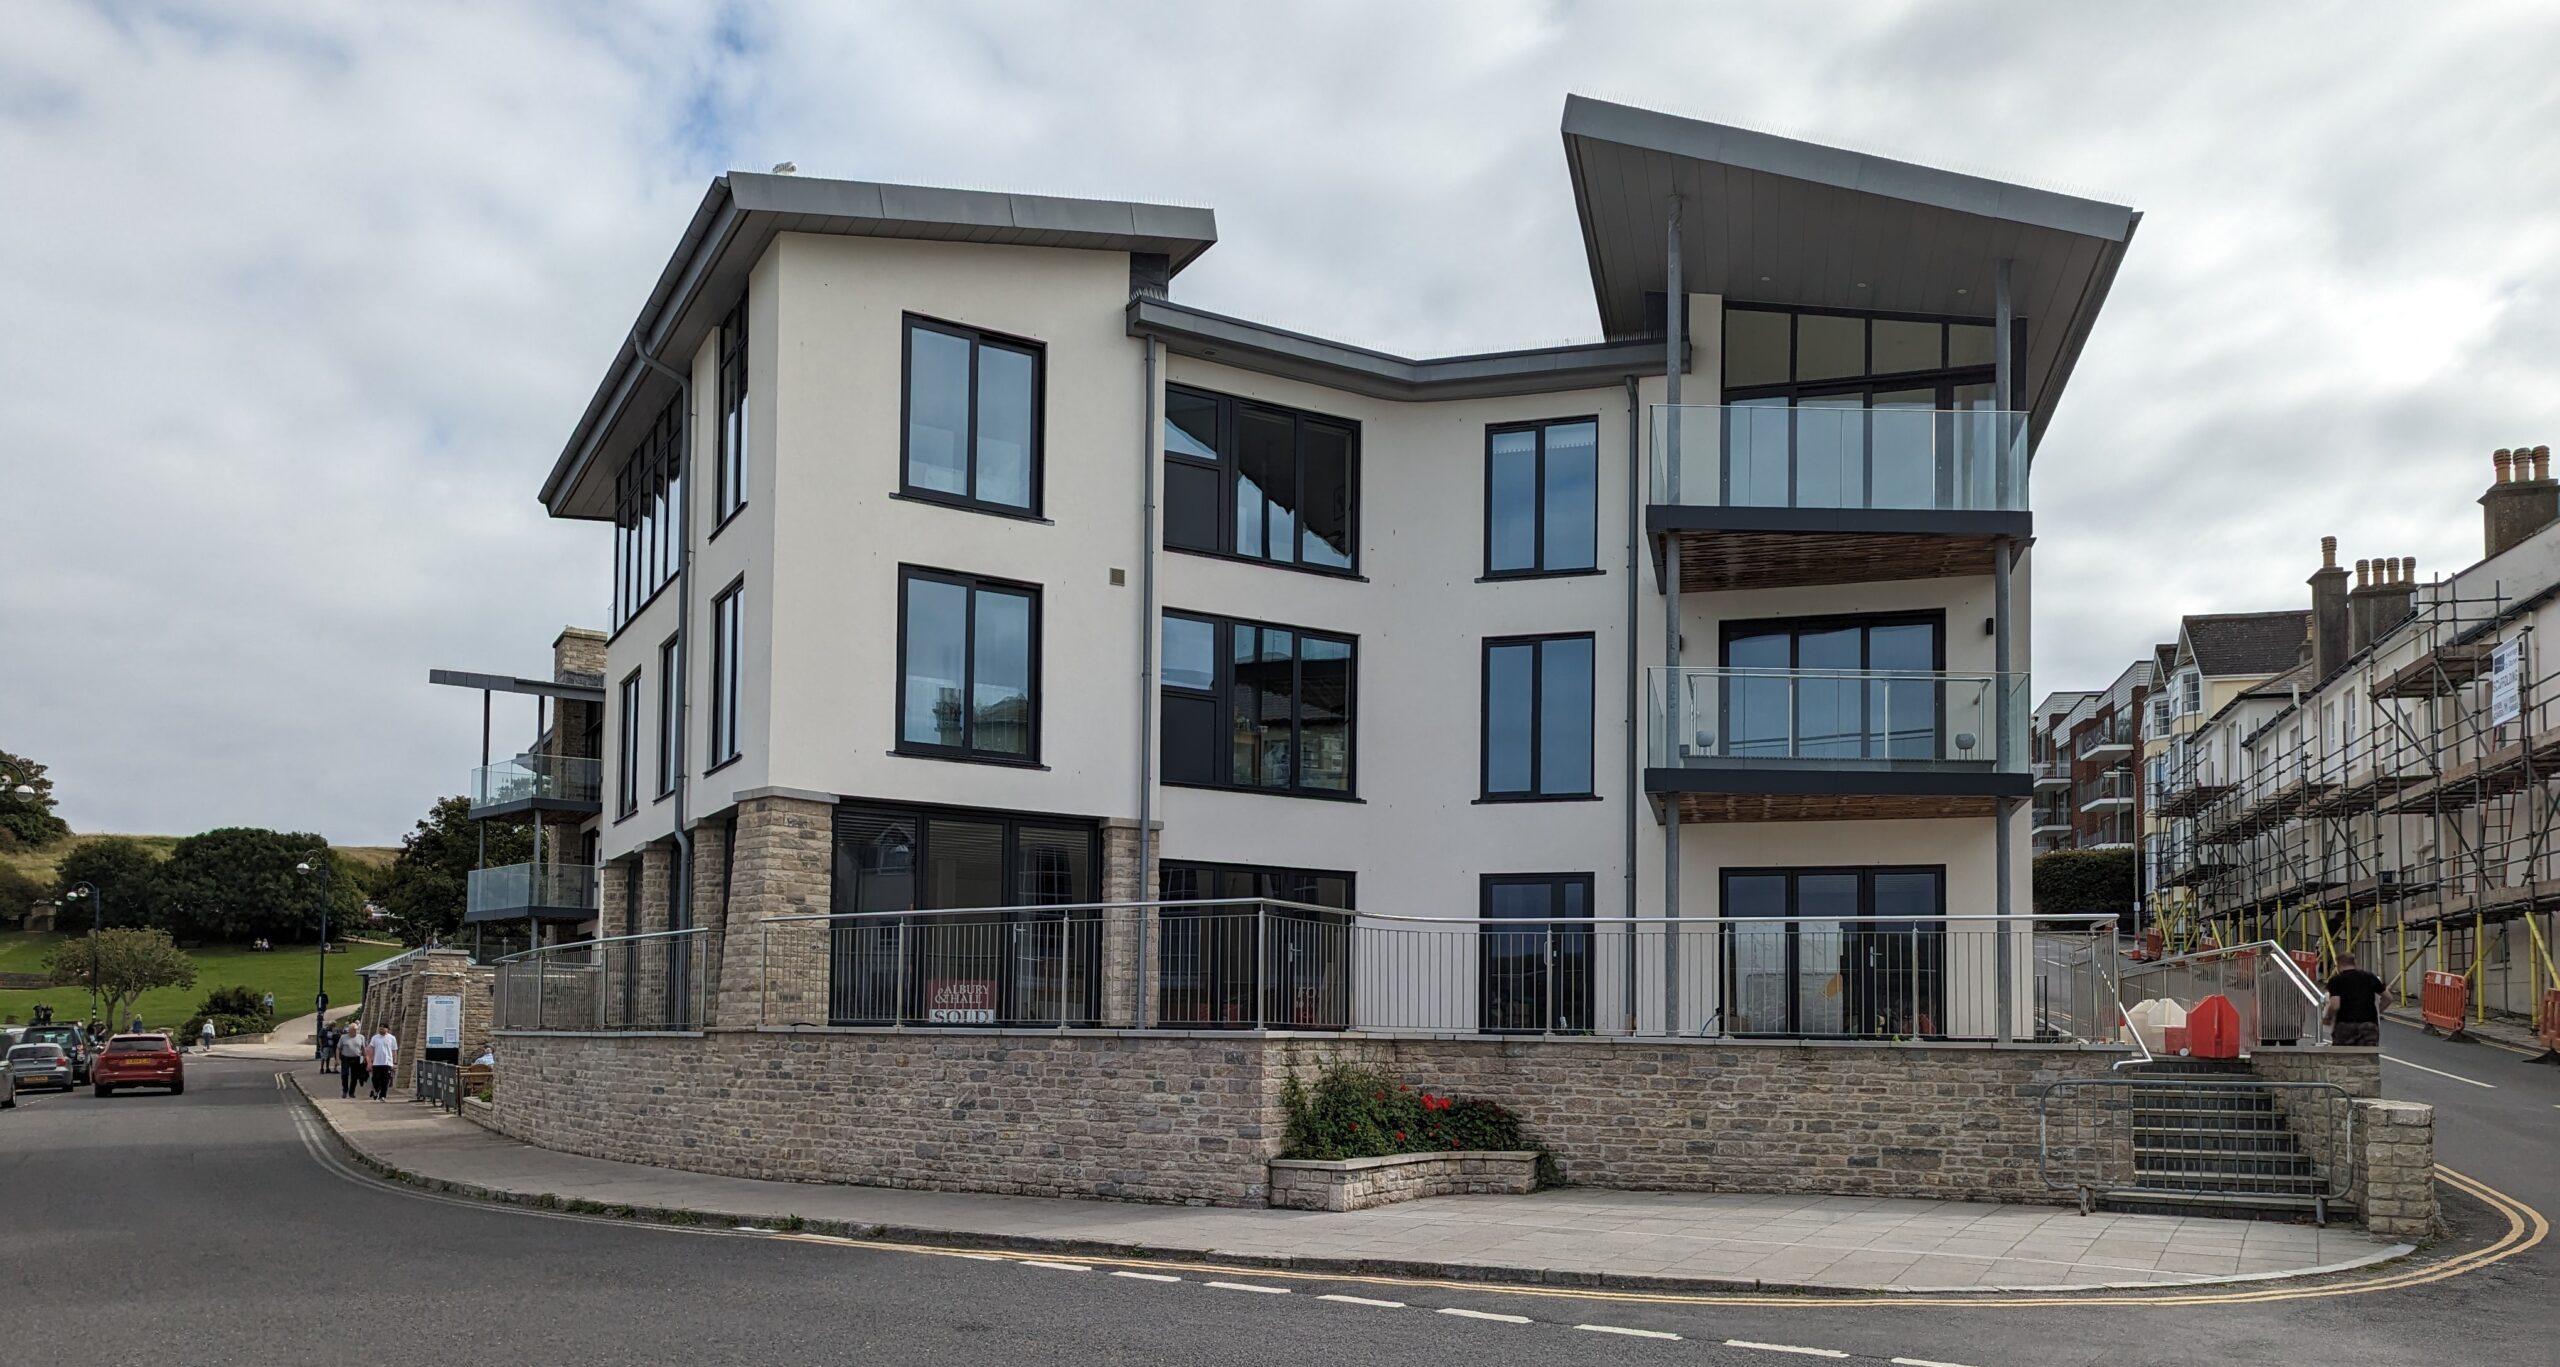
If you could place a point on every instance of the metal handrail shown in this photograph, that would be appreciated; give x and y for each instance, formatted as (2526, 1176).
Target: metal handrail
(2336, 1182)
(599, 940)
(1185, 904)
(2141, 1052)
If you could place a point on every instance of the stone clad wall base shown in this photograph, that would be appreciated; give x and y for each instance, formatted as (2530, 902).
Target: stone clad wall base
(2395, 1184)
(1359, 1183)
(1197, 1118)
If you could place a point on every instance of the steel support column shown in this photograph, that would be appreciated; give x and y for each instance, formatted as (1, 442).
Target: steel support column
(2003, 553)
(1675, 312)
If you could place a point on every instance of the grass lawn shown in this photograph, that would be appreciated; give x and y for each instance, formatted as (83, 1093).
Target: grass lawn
(289, 971)
(41, 864)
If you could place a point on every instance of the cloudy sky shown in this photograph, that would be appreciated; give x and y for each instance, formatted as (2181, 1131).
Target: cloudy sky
(300, 299)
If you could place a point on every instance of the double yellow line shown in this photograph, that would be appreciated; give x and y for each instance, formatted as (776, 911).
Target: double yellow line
(2526, 1228)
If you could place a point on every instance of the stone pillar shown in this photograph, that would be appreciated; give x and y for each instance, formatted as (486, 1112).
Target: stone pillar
(783, 866)
(1121, 928)
(710, 911)
(2395, 1180)
(637, 972)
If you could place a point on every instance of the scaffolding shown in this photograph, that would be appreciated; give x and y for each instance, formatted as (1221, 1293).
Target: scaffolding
(2407, 808)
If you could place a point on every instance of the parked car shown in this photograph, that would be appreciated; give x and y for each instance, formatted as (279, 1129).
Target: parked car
(40, 1065)
(8, 1085)
(73, 1039)
(138, 1061)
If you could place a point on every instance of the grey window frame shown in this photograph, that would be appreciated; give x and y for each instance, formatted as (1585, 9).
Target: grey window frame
(1540, 569)
(967, 751)
(626, 750)
(1537, 715)
(1221, 693)
(670, 706)
(728, 649)
(1229, 472)
(978, 339)
(730, 463)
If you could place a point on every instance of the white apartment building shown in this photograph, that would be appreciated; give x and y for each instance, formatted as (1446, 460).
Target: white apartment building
(950, 535)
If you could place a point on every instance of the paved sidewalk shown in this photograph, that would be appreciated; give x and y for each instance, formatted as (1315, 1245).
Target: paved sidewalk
(2513, 1036)
(1586, 1236)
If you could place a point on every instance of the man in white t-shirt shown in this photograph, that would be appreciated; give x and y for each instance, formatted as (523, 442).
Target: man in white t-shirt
(351, 1059)
(384, 1051)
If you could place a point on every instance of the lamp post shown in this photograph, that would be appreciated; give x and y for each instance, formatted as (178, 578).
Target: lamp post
(97, 921)
(320, 999)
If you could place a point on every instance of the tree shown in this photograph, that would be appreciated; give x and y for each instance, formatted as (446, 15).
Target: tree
(126, 875)
(239, 883)
(27, 821)
(17, 893)
(126, 963)
(428, 887)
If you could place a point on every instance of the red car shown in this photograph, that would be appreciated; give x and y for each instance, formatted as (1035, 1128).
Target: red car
(138, 1061)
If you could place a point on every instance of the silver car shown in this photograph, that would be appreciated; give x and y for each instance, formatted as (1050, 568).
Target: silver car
(40, 1065)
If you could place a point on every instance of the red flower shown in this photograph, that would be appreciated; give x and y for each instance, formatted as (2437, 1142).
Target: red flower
(1377, 1096)
(1355, 1127)
(1399, 1136)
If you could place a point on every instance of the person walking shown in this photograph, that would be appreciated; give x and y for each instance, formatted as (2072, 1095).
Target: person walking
(207, 1036)
(384, 1049)
(2354, 1010)
(351, 1058)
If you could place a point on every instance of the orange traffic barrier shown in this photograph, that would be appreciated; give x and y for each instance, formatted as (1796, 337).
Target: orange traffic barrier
(2443, 998)
(2154, 945)
(2309, 962)
(2213, 1028)
(2550, 1031)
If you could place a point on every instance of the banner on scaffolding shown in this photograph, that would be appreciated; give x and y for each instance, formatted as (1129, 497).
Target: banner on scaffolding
(2506, 683)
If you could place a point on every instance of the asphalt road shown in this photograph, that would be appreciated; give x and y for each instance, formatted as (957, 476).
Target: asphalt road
(216, 1228)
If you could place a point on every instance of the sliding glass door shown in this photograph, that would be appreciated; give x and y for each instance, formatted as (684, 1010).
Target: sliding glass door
(1797, 964)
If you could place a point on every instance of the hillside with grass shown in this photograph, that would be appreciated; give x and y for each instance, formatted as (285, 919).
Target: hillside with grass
(291, 972)
(40, 864)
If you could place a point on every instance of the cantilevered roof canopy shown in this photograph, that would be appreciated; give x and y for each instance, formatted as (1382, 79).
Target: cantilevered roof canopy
(739, 215)
(1770, 220)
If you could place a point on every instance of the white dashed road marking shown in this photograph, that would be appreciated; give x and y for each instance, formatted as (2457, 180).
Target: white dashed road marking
(2439, 1072)
(1926, 1362)
(1363, 1300)
(1786, 1348)
(1630, 1333)
(1147, 1276)
(1056, 1267)
(1248, 1286)
(1483, 1315)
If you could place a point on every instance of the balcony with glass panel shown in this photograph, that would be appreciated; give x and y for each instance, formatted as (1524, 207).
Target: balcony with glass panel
(1766, 493)
(538, 892)
(1740, 744)
(530, 784)
(2110, 791)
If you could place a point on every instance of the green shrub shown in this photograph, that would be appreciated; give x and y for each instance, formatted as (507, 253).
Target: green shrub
(2069, 882)
(233, 1011)
(1356, 1112)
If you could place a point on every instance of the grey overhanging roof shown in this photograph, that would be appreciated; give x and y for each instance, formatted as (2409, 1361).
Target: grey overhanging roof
(1189, 331)
(1771, 220)
(740, 213)
(501, 683)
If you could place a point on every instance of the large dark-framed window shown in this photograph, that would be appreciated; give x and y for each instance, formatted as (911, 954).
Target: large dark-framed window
(1261, 482)
(670, 713)
(1819, 974)
(971, 418)
(1542, 498)
(968, 667)
(730, 470)
(1537, 979)
(1888, 411)
(1258, 707)
(648, 515)
(1538, 717)
(728, 644)
(1206, 957)
(1821, 688)
(626, 750)
(1010, 964)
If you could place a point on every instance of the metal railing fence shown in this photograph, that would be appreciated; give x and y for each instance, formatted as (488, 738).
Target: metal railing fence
(2248, 1139)
(2278, 1003)
(438, 1083)
(627, 983)
(1255, 964)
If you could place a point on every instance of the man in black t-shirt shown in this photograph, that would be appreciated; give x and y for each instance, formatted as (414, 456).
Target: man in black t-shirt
(2355, 1005)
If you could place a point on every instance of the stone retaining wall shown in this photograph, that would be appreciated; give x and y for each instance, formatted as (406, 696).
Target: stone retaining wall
(1359, 1183)
(2395, 1186)
(1197, 1117)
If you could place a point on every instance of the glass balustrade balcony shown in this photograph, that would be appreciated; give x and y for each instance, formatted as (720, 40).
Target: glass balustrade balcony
(2112, 789)
(1775, 744)
(538, 783)
(517, 892)
(1831, 455)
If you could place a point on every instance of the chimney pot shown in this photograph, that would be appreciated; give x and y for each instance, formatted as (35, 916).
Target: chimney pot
(2500, 457)
(2408, 569)
(2328, 552)
(2363, 567)
(2542, 462)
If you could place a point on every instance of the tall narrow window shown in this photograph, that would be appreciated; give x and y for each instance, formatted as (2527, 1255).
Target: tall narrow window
(648, 515)
(732, 464)
(1261, 482)
(968, 667)
(1542, 499)
(670, 713)
(973, 418)
(626, 750)
(728, 636)
(1536, 978)
(1249, 705)
(1537, 718)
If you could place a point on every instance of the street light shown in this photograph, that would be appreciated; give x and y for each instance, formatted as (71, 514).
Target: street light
(97, 919)
(320, 1002)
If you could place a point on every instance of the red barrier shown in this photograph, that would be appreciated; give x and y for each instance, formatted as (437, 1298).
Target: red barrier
(2550, 1031)
(2213, 1028)
(2309, 962)
(2154, 945)
(2443, 998)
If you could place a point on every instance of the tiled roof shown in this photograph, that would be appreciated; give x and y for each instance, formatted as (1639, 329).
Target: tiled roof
(2248, 642)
